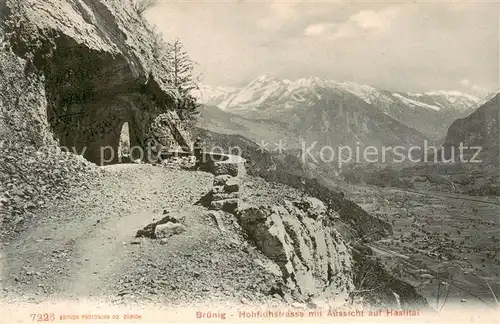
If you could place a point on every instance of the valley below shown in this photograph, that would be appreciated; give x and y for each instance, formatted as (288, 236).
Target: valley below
(444, 245)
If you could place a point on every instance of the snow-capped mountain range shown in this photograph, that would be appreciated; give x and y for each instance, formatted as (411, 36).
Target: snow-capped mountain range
(270, 98)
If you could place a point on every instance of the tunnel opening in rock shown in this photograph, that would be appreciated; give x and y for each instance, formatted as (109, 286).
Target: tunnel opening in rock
(124, 144)
(90, 97)
(91, 94)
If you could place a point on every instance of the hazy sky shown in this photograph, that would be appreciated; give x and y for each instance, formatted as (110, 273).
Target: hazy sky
(393, 45)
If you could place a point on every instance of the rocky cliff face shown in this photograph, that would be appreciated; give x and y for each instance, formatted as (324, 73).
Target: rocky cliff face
(86, 66)
(168, 132)
(22, 100)
(297, 236)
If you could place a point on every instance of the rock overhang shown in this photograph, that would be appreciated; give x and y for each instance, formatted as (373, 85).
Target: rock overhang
(100, 68)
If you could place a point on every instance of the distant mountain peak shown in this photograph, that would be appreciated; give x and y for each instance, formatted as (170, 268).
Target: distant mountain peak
(451, 95)
(264, 78)
(481, 102)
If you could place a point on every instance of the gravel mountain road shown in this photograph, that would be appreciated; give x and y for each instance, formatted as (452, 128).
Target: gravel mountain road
(85, 249)
(81, 246)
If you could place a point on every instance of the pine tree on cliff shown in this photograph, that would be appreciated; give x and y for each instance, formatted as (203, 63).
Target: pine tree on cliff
(182, 79)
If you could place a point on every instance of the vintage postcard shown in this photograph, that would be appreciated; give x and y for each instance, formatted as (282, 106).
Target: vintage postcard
(220, 161)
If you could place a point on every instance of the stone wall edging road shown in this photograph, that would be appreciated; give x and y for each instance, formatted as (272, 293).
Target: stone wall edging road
(229, 171)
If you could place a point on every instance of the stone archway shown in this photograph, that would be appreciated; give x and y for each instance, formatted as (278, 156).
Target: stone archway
(94, 129)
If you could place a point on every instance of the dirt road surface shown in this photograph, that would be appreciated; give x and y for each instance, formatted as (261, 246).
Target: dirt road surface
(86, 248)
